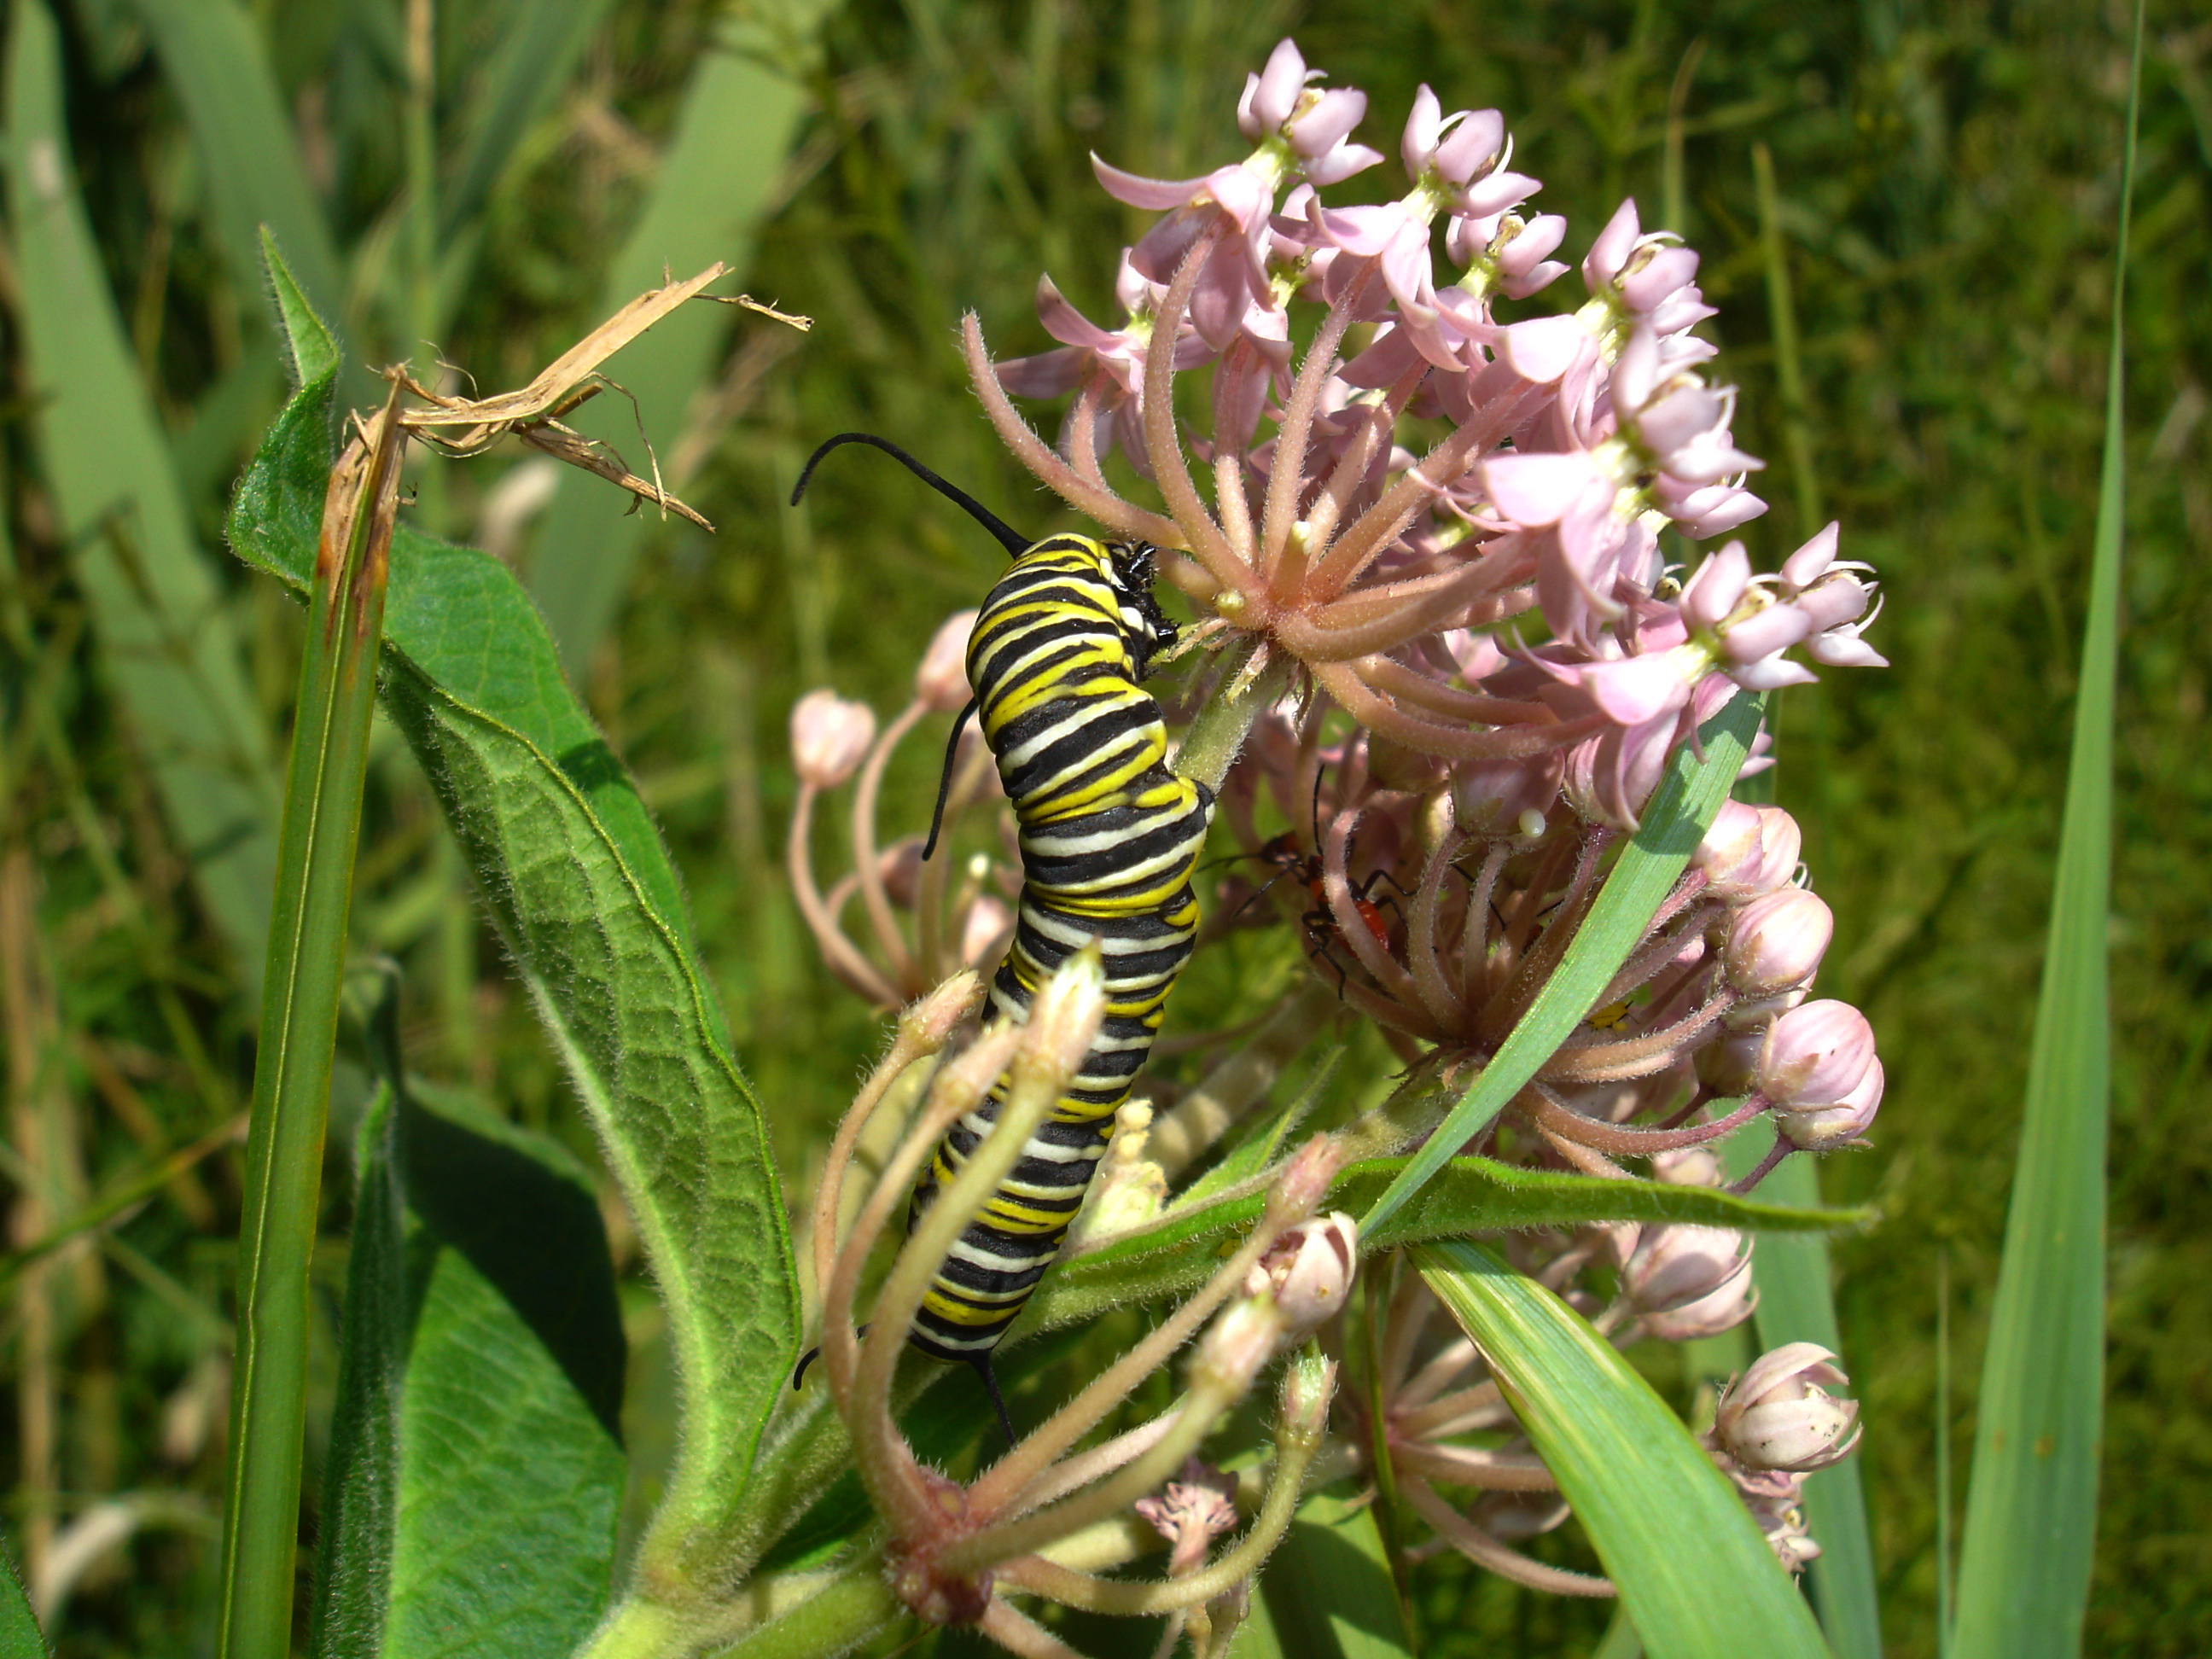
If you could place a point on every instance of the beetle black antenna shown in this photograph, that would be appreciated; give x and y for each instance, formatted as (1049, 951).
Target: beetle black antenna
(1015, 543)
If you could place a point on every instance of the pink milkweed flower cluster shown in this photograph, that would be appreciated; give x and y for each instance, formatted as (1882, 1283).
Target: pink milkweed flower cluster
(1362, 507)
(1438, 535)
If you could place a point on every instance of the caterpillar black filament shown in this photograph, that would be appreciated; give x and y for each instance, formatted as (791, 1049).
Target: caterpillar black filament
(1110, 834)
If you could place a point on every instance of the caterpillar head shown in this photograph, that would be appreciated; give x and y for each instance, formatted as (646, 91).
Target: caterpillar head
(1133, 565)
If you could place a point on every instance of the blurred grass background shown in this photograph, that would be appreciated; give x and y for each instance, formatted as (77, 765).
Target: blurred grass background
(487, 176)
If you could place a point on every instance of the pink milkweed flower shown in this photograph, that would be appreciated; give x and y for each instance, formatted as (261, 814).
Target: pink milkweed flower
(1816, 1128)
(829, 736)
(1277, 103)
(1779, 1415)
(1816, 1054)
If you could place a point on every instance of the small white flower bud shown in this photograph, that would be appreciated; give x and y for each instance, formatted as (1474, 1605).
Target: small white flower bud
(1308, 1270)
(942, 680)
(932, 1018)
(1779, 1415)
(829, 736)
(1816, 1054)
(1243, 1337)
(1776, 941)
(1821, 1127)
(983, 931)
(1304, 1182)
(1066, 1013)
(1675, 1266)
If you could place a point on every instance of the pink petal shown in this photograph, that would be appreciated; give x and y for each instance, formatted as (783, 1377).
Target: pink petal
(1719, 581)
(1543, 349)
(1534, 491)
(1611, 250)
(1499, 192)
(1280, 85)
(1063, 321)
(1803, 567)
(1636, 689)
(1156, 194)
(1341, 163)
(1329, 122)
(1045, 375)
(1422, 124)
(1471, 145)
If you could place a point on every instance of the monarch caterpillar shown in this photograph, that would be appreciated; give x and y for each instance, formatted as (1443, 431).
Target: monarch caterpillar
(1110, 834)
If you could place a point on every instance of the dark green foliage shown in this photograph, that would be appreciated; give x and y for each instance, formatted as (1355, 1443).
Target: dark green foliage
(1946, 176)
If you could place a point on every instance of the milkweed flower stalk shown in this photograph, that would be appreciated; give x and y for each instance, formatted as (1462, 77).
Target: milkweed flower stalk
(1424, 547)
(956, 1553)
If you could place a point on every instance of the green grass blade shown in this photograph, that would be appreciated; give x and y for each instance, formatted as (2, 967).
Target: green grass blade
(1466, 1195)
(713, 183)
(577, 881)
(299, 1035)
(1688, 1560)
(168, 650)
(1327, 1587)
(476, 1466)
(1673, 824)
(19, 1629)
(1796, 1304)
(215, 60)
(527, 69)
(2032, 1502)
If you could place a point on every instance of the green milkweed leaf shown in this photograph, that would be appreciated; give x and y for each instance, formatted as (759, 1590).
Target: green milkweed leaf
(567, 859)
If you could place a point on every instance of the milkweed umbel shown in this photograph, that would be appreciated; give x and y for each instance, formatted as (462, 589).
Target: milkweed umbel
(1110, 834)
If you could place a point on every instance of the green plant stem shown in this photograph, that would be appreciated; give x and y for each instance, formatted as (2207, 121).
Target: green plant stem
(299, 1026)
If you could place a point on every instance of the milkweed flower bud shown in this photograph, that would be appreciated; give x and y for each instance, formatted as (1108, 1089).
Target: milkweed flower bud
(1675, 1266)
(1308, 1271)
(1728, 1064)
(1243, 1337)
(1067, 1011)
(829, 736)
(1299, 1189)
(935, 1016)
(942, 680)
(1778, 941)
(1720, 1309)
(1817, 1129)
(1780, 1415)
(1749, 851)
(985, 926)
(1816, 1054)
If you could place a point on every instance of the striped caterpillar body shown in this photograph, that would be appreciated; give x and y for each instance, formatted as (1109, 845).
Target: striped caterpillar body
(1110, 834)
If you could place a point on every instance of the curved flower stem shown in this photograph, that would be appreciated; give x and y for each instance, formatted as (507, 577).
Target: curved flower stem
(1436, 472)
(1002, 1487)
(907, 1047)
(1163, 449)
(994, 1545)
(1360, 455)
(872, 896)
(1463, 1409)
(1471, 1466)
(844, 957)
(1287, 473)
(1103, 1458)
(1547, 1113)
(1018, 1633)
(1588, 1159)
(1296, 1445)
(1782, 1148)
(1094, 501)
(1433, 979)
(1377, 714)
(1617, 1062)
(1483, 1549)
